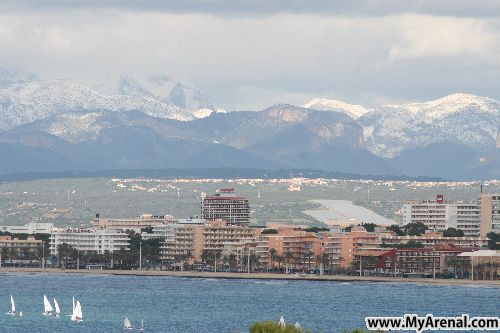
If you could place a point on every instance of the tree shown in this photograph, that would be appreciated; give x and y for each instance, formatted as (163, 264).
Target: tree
(269, 231)
(67, 253)
(273, 254)
(289, 257)
(452, 232)
(493, 241)
(280, 259)
(415, 229)
(396, 229)
(370, 227)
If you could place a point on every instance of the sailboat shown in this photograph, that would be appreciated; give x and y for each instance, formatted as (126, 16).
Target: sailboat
(141, 328)
(77, 312)
(298, 327)
(47, 307)
(57, 311)
(282, 322)
(12, 311)
(72, 308)
(126, 324)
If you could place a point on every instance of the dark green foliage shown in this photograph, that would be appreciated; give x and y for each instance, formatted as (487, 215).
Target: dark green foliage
(452, 232)
(493, 241)
(411, 229)
(269, 231)
(316, 229)
(409, 245)
(370, 227)
(396, 229)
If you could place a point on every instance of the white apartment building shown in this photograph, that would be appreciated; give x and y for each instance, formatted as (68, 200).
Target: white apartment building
(440, 215)
(31, 228)
(84, 239)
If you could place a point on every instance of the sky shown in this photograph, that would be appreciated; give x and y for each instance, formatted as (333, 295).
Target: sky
(247, 55)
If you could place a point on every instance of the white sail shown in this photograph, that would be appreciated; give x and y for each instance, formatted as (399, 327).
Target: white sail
(126, 324)
(12, 304)
(282, 322)
(56, 306)
(77, 312)
(141, 328)
(46, 305)
(298, 327)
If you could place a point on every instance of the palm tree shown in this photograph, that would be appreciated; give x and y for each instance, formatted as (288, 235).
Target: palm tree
(289, 257)
(12, 254)
(279, 259)
(273, 254)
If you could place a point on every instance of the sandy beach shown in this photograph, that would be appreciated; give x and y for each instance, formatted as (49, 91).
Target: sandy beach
(266, 276)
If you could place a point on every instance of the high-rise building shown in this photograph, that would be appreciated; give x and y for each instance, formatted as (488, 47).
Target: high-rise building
(490, 213)
(441, 214)
(226, 205)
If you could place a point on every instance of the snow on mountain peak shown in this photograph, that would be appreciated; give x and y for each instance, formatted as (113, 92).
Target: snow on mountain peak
(322, 104)
(448, 105)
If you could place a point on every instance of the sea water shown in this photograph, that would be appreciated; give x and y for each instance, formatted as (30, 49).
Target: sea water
(192, 305)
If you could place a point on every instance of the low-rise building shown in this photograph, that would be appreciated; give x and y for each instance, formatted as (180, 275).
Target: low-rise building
(84, 239)
(433, 238)
(14, 250)
(123, 224)
(31, 228)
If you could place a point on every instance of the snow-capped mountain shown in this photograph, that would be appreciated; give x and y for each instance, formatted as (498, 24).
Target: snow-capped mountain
(74, 122)
(322, 104)
(24, 98)
(464, 119)
(183, 95)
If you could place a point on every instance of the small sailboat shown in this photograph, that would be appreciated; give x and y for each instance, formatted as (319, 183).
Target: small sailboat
(282, 322)
(77, 312)
(57, 310)
(141, 328)
(12, 311)
(47, 307)
(298, 327)
(72, 308)
(126, 324)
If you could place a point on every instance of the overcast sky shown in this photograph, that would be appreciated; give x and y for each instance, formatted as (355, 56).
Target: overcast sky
(250, 54)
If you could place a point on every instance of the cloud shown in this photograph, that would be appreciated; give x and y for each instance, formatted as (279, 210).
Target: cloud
(447, 37)
(250, 61)
(472, 8)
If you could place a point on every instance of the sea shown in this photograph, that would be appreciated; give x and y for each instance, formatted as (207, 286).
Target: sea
(194, 305)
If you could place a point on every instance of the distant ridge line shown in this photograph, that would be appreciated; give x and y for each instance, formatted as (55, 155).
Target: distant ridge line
(201, 173)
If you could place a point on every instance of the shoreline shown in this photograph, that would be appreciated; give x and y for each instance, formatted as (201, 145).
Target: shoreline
(258, 276)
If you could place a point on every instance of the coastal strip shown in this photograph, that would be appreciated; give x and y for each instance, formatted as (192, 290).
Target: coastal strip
(260, 276)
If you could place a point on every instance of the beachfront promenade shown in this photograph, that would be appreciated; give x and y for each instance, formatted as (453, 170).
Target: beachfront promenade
(268, 276)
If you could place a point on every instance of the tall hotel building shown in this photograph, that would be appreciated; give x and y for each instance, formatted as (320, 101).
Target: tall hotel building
(226, 205)
(440, 215)
(490, 213)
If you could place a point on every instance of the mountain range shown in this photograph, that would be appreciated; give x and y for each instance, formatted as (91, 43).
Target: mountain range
(126, 122)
